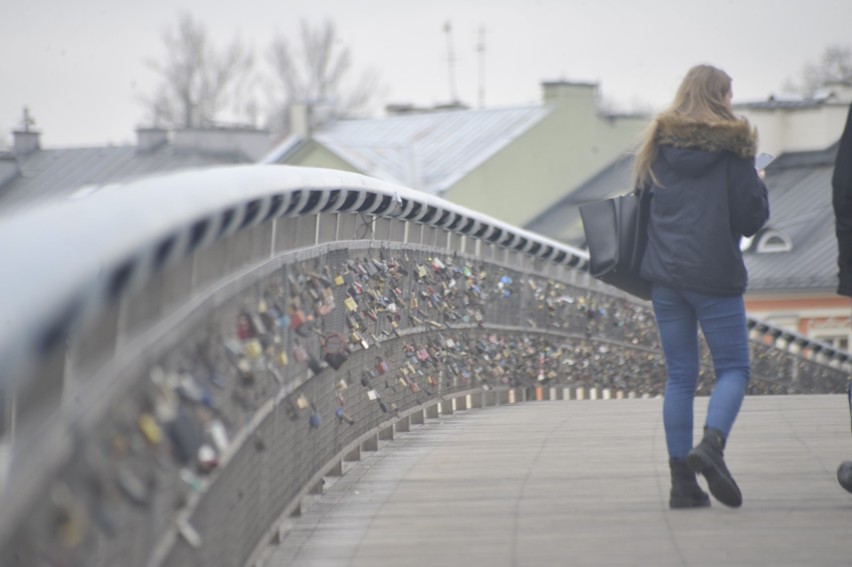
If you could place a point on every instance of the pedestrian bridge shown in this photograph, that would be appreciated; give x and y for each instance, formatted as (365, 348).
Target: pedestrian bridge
(270, 365)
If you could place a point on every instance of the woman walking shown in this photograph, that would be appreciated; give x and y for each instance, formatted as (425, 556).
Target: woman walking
(697, 160)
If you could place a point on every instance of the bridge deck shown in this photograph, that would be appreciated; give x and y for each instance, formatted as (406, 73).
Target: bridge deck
(584, 483)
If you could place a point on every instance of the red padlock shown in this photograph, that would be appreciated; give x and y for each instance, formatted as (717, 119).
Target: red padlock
(297, 318)
(381, 366)
(245, 327)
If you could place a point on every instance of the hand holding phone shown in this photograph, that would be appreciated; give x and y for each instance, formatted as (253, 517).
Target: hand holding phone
(763, 160)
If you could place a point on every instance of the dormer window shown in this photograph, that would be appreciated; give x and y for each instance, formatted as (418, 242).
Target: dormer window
(774, 241)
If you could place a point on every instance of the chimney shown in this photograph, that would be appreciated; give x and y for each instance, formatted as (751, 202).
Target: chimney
(150, 139)
(564, 93)
(300, 120)
(25, 140)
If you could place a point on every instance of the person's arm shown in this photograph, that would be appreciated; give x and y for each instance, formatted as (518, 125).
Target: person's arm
(749, 202)
(841, 184)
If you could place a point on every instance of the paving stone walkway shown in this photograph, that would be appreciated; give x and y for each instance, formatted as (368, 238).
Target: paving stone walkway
(583, 483)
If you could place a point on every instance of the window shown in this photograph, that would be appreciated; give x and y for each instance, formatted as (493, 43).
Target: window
(774, 241)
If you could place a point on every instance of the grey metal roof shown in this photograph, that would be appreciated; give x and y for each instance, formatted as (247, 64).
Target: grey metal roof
(429, 151)
(799, 186)
(51, 173)
(792, 102)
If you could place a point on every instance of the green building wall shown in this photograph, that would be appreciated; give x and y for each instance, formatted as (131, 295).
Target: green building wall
(561, 152)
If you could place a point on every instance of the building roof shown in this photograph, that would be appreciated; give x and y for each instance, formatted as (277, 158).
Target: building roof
(51, 173)
(429, 151)
(829, 95)
(801, 215)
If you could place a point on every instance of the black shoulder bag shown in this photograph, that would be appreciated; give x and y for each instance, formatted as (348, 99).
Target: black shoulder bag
(616, 236)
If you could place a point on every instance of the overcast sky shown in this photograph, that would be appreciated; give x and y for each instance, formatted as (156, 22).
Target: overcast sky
(79, 65)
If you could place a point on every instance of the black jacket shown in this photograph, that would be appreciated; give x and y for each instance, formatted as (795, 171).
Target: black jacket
(841, 184)
(709, 195)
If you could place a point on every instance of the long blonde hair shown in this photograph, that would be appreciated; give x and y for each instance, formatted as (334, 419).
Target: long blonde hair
(701, 96)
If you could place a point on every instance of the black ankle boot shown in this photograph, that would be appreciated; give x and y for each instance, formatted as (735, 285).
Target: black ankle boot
(685, 490)
(706, 458)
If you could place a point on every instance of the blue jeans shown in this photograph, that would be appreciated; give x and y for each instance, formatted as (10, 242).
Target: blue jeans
(723, 321)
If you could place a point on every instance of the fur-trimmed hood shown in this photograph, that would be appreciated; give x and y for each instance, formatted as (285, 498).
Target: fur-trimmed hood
(735, 136)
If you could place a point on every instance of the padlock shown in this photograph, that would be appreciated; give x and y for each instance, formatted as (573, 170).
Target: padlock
(218, 434)
(315, 420)
(343, 416)
(281, 358)
(381, 366)
(260, 327)
(297, 318)
(185, 435)
(300, 354)
(371, 269)
(336, 360)
(207, 459)
(325, 308)
(69, 516)
(245, 327)
(245, 370)
(150, 429)
(350, 304)
(253, 348)
(314, 365)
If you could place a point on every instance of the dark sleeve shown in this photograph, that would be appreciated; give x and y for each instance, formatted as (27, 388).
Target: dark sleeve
(749, 202)
(841, 181)
(841, 184)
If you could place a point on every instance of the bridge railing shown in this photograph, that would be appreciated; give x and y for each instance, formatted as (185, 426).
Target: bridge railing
(183, 359)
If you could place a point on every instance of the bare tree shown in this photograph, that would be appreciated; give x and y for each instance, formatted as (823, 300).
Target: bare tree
(317, 73)
(834, 66)
(199, 83)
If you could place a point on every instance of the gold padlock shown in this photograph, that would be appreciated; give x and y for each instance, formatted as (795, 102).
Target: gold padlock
(150, 429)
(253, 348)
